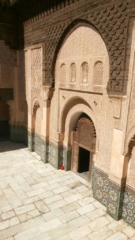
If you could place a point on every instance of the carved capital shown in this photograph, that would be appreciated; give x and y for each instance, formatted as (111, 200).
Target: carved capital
(117, 105)
(47, 93)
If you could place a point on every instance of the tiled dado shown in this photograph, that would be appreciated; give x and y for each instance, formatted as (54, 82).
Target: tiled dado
(129, 206)
(100, 185)
(48, 151)
(115, 200)
(19, 134)
(66, 155)
(37, 144)
(52, 155)
(56, 155)
(108, 193)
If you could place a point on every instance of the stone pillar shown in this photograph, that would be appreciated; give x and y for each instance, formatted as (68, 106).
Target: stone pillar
(30, 133)
(16, 119)
(28, 84)
(67, 158)
(55, 151)
(45, 125)
(116, 177)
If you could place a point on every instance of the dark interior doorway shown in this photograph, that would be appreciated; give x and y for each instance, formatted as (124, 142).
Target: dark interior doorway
(4, 122)
(84, 160)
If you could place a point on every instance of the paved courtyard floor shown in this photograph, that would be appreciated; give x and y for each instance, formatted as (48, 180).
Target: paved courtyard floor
(40, 203)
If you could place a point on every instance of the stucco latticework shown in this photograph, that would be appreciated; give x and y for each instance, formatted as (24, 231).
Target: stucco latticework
(85, 133)
(84, 136)
(80, 57)
(113, 17)
(36, 72)
(98, 73)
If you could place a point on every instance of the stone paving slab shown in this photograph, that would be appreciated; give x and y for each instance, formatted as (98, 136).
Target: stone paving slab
(38, 202)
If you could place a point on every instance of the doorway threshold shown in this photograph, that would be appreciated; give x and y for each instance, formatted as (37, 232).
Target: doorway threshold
(81, 178)
(84, 175)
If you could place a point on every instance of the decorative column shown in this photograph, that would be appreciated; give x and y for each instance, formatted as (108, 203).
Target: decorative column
(117, 178)
(55, 151)
(45, 125)
(16, 119)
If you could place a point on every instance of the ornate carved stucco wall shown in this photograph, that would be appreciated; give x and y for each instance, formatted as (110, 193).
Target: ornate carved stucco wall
(33, 61)
(129, 194)
(84, 45)
(111, 20)
(84, 59)
(109, 111)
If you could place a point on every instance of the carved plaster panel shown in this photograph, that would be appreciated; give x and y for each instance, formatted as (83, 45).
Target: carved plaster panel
(117, 105)
(36, 65)
(86, 134)
(79, 52)
(111, 22)
(94, 100)
(98, 73)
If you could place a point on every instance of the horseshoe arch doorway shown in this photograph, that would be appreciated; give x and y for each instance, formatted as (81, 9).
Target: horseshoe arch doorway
(83, 146)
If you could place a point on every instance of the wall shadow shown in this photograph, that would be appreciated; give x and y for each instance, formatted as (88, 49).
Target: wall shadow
(7, 146)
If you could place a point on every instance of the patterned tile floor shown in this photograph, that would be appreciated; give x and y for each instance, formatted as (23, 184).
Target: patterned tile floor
(40, 203)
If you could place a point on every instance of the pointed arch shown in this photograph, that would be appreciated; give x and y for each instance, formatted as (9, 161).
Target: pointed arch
(68, 31)
(74, 101)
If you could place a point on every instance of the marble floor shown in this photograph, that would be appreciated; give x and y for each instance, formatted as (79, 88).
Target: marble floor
(40, 203)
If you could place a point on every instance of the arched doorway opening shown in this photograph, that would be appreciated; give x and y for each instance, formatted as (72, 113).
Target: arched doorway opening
(81, 76)
(129, 190)
(36, 127)
(129, 164)
(4, 122)
(83, 146)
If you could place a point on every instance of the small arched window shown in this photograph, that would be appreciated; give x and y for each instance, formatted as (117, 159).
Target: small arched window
(63, 72)
(85, 72)
(73, 73)
(98, 73)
